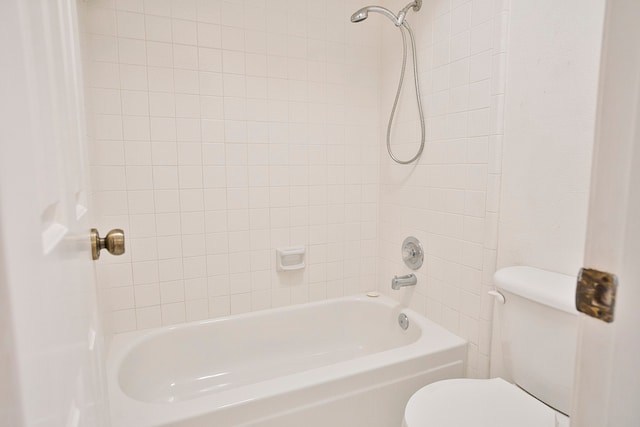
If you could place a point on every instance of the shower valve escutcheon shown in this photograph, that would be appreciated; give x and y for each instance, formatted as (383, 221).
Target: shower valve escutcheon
(402, 281)
(412, 253)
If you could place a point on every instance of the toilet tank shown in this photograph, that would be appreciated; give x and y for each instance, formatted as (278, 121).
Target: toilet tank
(539, 331)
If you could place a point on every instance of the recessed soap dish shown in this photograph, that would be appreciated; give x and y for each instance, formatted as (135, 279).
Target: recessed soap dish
(288, 259)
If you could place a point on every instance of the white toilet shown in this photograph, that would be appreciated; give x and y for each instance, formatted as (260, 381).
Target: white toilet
(539, 326)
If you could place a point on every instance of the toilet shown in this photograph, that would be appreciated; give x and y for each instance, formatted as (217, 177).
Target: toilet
(538, 330)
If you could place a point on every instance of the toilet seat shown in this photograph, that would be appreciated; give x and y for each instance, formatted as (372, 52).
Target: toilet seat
(478, 403)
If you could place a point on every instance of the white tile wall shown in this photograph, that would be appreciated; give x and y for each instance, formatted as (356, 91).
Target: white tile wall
(450, 199)
(222, 130)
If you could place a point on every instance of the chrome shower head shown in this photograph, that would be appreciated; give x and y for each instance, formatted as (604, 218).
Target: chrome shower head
(360, 15)
(363, 14)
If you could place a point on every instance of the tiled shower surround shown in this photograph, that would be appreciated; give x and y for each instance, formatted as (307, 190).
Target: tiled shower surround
(450, 199)
(222, 130)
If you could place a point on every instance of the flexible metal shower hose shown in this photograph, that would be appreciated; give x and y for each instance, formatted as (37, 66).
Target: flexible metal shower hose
(395, 102)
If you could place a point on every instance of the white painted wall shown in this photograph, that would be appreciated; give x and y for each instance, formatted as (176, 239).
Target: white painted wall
(222, 130)
(552, 75)
(550, 106)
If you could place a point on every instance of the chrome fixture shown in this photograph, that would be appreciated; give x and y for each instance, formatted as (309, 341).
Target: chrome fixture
(416, 6)
(400, 22)
(412, 253)
(403, 321)
(402, 281)
(362, 14)
(113, 242)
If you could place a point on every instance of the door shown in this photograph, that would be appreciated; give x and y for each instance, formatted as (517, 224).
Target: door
(607, 378)
(50, 363)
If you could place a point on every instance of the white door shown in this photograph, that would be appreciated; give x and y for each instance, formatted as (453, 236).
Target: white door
(608, 377)
(50, 359)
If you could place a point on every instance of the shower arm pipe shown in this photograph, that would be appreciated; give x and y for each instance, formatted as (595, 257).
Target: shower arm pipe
(418, 100)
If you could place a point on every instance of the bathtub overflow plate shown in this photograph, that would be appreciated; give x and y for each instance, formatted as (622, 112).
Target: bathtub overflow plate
(403, 321)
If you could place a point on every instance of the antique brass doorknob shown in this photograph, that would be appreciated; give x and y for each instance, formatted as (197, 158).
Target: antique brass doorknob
(113, 242)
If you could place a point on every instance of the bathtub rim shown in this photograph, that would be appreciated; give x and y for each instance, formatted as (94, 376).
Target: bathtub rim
(158, 413)
(122, 343)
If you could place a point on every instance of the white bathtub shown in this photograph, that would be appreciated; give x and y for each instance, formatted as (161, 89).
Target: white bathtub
(343, 362)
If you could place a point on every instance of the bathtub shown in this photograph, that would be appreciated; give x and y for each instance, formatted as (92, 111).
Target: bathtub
(342, 362)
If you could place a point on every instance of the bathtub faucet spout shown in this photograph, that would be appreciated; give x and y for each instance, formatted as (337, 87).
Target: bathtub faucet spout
(402, 281)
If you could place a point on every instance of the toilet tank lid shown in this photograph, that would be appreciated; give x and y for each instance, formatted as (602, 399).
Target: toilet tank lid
(545, 287)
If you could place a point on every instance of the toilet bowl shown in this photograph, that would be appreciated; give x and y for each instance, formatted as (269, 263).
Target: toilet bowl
(538, 331)
(478, 403)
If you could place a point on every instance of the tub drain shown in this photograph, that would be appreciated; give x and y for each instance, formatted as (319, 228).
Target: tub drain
(403, 321)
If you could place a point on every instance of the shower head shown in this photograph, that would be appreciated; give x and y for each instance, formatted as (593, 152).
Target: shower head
(362, 14)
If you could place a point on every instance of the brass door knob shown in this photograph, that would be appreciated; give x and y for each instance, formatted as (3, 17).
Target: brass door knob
(113, 242)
